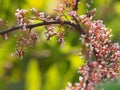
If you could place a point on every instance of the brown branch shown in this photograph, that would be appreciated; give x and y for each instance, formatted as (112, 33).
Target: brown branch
(79, 28)
(76, 5)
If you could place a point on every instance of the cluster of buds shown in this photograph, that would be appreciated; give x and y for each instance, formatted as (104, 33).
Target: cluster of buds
(70, 3)
(2, 22)
(97, 38)
(24, 18)
(50, 32)
(60, 9)
(21, 18)
(107, 54)
(61, 38)
(73, 13)
(38, 15)
(23, 42)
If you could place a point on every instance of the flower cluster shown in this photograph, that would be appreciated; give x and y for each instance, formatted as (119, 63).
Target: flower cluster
(97, 38)
(70, 3)
(2, 22)
(61, 38)
(22, 20)
(28, 38)
(25, 41)
(107, 54)
(73, 13)
(38, 15)
(60, 9)
(50, 32)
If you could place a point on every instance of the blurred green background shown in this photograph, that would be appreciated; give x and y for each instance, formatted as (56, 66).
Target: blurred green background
(48, 66)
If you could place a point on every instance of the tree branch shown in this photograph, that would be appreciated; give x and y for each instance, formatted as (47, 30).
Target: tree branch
(79, 28)
(76, 5)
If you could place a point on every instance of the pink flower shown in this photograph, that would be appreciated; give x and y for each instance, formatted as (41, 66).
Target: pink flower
(41, 14)
(73, 13)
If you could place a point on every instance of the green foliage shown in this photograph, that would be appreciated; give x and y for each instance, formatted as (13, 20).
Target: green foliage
(109, 85)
